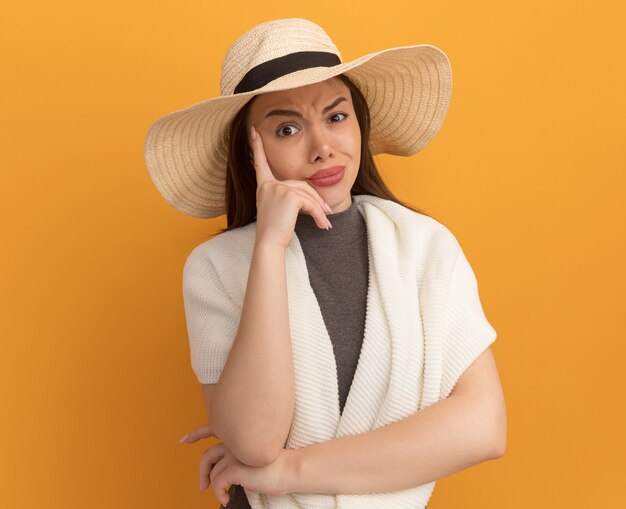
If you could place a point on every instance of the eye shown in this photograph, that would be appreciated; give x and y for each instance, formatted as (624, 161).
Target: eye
(337, 117)
(287, 130)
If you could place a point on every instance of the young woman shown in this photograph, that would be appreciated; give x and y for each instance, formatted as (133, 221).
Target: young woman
(337, 333)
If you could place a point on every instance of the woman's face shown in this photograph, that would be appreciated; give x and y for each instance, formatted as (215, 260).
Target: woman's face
(308, 129)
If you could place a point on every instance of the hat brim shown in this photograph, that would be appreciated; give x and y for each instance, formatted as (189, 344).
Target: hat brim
(407, 89)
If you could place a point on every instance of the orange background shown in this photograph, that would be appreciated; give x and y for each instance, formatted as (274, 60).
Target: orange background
(528, 172)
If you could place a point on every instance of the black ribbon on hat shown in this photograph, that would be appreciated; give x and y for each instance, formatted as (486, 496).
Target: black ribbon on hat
(262, 74)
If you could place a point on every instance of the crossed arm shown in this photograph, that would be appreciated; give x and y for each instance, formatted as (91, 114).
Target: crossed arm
(250, 410)
(467, 428)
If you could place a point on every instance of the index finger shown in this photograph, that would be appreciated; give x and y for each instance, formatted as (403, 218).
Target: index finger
(261, 166)
(199, 433)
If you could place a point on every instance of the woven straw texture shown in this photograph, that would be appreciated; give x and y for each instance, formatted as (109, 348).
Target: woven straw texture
(407, 89)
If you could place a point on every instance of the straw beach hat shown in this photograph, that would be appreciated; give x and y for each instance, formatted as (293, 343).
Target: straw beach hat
(406, 88)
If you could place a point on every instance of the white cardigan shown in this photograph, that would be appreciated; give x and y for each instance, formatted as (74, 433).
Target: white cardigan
(424, 326)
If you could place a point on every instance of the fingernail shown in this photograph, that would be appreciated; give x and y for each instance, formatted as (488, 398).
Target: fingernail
(253, 133)
(330, 225)
(327, 207)
(184, 438)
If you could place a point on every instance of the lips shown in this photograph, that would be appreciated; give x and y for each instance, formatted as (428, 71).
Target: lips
(327, 177)
(326, 172)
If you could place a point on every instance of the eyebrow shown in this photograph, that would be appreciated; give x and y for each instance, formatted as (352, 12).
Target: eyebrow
(290, 113)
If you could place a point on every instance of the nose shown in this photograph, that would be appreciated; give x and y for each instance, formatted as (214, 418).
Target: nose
(320, 145)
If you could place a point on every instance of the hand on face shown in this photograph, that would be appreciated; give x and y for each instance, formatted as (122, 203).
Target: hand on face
(310, 137)
(279, 201)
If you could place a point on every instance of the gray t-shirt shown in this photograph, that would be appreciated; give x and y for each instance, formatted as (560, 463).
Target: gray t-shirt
(337, 262)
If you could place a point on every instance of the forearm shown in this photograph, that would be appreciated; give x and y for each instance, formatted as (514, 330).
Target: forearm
(444, 438)
(253, 403)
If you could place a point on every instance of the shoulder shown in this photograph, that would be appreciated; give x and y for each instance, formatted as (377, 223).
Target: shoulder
(414, 231)
(227, 250)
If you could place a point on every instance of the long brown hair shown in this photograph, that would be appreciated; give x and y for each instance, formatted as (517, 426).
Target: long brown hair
(240, 199)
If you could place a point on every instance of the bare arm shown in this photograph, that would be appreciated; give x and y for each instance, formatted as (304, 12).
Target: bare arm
(251, 407)
(467, 428)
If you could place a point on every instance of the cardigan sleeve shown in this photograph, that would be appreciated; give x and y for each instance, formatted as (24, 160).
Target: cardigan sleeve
(212, 317)
(467, 332)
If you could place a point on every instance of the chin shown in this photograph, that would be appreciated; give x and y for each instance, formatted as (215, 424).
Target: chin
(334, 199)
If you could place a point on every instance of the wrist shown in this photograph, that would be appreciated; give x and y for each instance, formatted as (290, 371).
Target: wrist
(263, 247)
(291, 465)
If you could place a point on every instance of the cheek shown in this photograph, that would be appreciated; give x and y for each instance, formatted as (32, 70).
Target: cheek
(282, 161)
(350, 141)
(356, 147)
(357, 141)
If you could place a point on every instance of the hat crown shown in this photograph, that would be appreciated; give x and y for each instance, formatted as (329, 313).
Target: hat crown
(268, 41)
